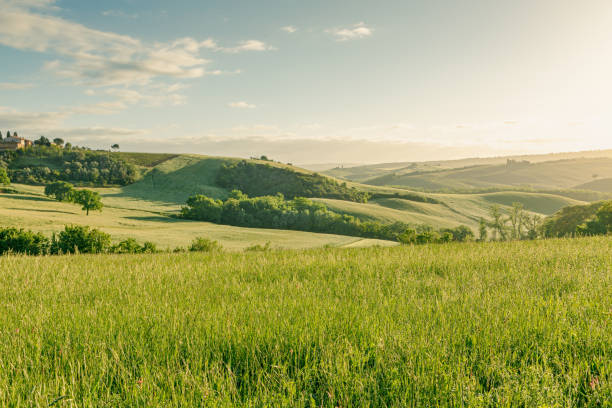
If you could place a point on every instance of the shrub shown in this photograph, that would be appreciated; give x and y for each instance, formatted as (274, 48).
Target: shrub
(4, 178)
(60, 190)
(82, 239)
(22, 241)
(204, 245)
(131, 246)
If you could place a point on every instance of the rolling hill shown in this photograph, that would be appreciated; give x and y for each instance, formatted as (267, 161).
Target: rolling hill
(145, 208)
(575, 174)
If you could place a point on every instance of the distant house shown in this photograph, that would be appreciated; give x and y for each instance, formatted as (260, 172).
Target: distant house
(14, 143)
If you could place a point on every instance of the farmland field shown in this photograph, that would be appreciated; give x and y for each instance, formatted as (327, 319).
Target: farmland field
(480, 325)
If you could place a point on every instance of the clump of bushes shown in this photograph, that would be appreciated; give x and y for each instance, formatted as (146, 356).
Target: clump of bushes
(22, 241)
(262, 179)
(73, 239)
(204, 245)
(425, 234)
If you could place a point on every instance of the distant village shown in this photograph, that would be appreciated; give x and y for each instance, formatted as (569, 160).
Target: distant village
(13, 142)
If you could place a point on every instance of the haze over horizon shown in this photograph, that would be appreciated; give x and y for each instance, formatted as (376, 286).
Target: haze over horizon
(310, 82)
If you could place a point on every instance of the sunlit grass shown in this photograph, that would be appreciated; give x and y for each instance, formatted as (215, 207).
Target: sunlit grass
(511, 324)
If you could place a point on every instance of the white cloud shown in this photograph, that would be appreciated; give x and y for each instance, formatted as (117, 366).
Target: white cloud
(13, 119)
(289, 29)
(359, 30)
(15, 85)
(101, 58)
(248, 45)
(241, 105)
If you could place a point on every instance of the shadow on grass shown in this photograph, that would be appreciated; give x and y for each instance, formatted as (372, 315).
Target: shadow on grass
(40, 210)
(156, 218)
(196, 177)
(28, 197)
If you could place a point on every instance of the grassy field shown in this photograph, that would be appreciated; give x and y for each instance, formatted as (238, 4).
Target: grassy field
(481, 325)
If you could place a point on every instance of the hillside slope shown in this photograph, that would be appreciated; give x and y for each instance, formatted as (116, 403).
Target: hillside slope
(559, 174)
(366, 172)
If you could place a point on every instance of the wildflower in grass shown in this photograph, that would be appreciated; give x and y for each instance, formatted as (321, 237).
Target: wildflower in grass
(594, 383)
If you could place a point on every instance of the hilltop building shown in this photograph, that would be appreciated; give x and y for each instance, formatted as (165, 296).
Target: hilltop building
(14, 143)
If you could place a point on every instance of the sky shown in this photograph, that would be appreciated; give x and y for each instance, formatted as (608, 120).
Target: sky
(311, 81)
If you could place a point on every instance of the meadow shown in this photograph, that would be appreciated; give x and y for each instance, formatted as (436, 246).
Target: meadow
(479, 325)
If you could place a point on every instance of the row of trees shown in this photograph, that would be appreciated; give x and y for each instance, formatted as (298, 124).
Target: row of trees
(303, 214)
(84, 240)
(516, 225)
(65, 192)
(46, 162)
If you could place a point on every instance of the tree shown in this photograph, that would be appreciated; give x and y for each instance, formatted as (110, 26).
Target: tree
(533, 226)
(8, 133)
(0, 135)
(58, 141)
(517, 220)
(482, 230)
(42, 141)
(90, 200)
(61, 190)
(68, 146)
(115, 146)
(4, 178)
(497, 223)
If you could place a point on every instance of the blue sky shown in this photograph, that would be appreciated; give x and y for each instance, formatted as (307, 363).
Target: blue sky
(310, 81)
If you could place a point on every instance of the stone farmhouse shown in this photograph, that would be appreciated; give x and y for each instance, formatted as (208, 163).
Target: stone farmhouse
(14, 143)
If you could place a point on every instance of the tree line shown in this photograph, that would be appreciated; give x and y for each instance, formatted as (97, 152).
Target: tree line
(47, 162)
(303, 214)
(79, 239)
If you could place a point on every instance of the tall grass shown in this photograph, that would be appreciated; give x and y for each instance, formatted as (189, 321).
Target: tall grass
(480, 325)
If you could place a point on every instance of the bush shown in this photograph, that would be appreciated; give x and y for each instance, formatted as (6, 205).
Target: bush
(82, 239)
(23, 242)
(204, 245)
(131, 246)
(4, 178)
(61, 191)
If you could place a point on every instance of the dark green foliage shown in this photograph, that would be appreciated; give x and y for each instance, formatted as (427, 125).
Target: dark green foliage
(204, 245)
(600, 224)
(81, 239)
(131, 246)
(43, 164)
(204, 208)
(299, 214)
(58, 141)
(565, 222)
(24, 242)
(460, 233)
(61, 191)
(42, 141)
(406, 196)
(89, 200)
(4, 178)
(261, 179)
